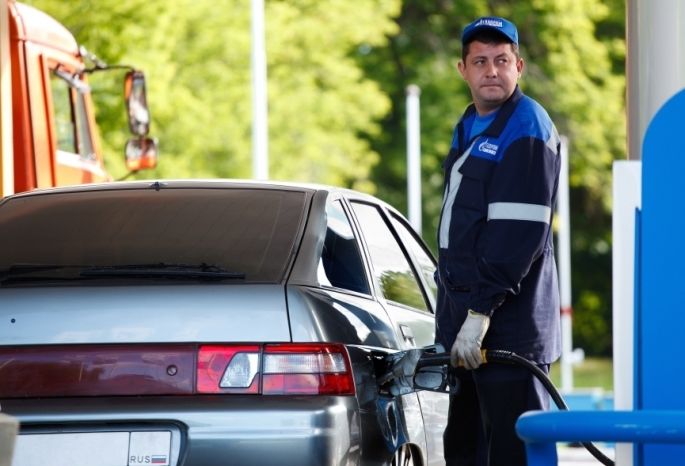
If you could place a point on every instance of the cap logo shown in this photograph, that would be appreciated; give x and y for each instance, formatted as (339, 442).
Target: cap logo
(490, 22)
(500, 25)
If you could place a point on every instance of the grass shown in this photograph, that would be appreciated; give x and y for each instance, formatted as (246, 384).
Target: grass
(591, 373)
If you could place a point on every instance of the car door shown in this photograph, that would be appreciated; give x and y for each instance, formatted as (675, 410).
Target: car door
(395, 277)
(434, 406)
(403, 275)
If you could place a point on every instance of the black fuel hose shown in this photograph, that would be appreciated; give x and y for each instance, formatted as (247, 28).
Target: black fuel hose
(509, 357)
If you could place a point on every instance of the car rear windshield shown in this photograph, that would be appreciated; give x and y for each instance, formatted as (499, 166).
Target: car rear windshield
(251, 233)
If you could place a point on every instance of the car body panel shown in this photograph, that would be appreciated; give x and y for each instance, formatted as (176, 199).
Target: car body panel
(434, 409)
(269, 431)
(326, 315)
(143, 313)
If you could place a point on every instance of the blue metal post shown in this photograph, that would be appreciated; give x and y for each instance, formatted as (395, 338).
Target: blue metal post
(660, 310)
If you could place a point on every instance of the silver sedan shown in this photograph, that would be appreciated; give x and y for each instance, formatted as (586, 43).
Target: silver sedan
(187, 323)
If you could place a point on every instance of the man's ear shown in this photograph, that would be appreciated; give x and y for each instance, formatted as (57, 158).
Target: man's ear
(461, 67)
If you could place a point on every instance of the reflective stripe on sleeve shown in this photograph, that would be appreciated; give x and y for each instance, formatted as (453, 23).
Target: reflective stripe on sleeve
(519, 211)
(553, 140)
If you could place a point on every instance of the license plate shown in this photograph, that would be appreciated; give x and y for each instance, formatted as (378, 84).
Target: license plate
(94, 448)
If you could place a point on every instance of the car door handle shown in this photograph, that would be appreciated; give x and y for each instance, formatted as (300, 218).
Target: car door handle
(407, 334)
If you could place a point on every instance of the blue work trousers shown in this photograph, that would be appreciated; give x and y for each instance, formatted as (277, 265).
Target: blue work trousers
(484, 406)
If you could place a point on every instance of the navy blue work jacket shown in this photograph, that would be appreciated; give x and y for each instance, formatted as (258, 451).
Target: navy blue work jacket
(496, 254)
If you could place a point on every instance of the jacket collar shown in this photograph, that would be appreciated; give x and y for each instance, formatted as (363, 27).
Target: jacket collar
(503, 114)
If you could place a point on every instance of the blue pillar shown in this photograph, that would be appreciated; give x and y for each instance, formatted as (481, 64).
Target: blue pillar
(660, 309)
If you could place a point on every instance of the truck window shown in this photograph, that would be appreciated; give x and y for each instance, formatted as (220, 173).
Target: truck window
(64, 125)
(85, 144)
(71, 120)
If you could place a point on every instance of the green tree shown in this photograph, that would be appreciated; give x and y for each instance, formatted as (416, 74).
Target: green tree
(196, 55)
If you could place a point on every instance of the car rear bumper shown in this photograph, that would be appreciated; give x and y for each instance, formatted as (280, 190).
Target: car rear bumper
(214, 430)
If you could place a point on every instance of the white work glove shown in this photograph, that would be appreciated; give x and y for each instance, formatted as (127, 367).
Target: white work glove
(469, 339)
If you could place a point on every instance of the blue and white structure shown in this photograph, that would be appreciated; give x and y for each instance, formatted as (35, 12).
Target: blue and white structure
(649, 261)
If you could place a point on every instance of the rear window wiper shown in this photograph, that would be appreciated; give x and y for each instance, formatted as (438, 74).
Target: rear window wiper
(163, 270)
(24, 273)
(38, 272)
(20, 269)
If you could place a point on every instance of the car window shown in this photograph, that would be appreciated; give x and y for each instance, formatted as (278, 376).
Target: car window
(341, 264)
(421, 256)
(248, 231)
(391, 267)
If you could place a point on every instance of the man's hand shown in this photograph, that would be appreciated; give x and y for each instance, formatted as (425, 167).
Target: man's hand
(467, 345)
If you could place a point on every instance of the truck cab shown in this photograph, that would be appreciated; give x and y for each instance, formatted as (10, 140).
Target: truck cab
(55, 136)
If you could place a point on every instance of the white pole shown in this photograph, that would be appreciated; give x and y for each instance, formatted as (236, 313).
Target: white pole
(654, 72)
(627, 195)
(564, 256)
(414, 157)
(260, 132)
(6, 145)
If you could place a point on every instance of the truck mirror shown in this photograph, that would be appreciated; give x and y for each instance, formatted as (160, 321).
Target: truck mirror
(136, 103)
(141, 153)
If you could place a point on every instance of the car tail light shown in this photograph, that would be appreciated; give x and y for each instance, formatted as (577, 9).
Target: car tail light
(307, 369)
(228, 369)
(282, 369)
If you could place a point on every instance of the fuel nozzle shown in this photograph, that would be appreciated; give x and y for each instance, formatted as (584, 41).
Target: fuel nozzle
(429, 358)
(397, 376)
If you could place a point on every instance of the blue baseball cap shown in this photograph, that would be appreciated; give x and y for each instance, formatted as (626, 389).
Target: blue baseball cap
(504, 27)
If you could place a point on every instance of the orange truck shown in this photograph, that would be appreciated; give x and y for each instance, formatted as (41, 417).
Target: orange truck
(48, 133)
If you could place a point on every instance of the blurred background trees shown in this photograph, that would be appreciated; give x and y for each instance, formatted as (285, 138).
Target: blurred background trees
(337, 75)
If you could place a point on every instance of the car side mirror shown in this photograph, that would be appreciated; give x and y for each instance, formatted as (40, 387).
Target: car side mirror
(135, 95)
(141, 154)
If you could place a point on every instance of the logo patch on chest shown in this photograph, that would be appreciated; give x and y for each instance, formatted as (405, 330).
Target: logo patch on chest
(486, 149)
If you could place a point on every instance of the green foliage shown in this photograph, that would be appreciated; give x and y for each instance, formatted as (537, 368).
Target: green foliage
(196, 56)
(322, 101)
(590, 373)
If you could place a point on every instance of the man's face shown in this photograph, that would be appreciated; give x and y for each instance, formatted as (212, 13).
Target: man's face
(491, 71)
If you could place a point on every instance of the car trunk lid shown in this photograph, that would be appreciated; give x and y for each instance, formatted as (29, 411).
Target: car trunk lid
(143, 314)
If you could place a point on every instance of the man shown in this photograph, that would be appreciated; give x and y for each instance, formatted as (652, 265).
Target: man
(497, 275)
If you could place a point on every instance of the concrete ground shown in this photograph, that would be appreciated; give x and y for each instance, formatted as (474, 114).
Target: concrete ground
(579, 456)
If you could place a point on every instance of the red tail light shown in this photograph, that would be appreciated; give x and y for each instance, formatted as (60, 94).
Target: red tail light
(228, 369)
(307, 369)
(285, 369)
